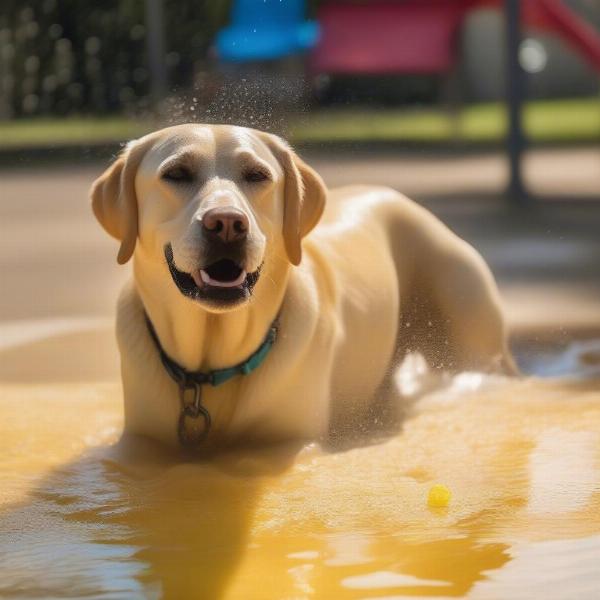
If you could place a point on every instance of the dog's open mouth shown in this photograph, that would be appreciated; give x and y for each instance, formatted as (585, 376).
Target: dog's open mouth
(221, 282)
(224, 273)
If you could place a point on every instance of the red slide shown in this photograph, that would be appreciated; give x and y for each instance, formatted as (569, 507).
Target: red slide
(556, 16)
(419, 36)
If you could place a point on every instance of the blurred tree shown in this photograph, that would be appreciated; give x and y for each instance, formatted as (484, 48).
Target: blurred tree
(81, 56)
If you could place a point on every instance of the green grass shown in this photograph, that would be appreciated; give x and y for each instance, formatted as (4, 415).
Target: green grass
(24, 133)
(545, 121)
(560, 121)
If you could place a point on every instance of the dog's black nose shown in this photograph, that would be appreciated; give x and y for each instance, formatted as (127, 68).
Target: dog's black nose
(230, 224)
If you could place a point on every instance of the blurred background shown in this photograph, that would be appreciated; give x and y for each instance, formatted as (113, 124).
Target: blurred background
(485, 111)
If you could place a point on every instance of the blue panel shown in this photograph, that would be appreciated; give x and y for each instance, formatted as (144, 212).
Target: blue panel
(266, 30)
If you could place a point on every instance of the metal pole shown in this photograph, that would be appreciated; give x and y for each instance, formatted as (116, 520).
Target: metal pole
(515, 92)
(155, 41)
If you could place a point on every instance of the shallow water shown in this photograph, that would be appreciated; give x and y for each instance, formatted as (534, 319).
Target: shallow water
(82, 516)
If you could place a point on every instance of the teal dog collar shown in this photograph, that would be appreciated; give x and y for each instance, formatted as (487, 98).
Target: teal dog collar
(192, 381)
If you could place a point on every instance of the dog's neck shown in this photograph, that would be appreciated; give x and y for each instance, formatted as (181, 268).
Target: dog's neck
(199, 340)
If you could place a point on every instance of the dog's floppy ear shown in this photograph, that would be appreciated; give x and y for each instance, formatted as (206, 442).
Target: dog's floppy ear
(114, 200)
(304, 197)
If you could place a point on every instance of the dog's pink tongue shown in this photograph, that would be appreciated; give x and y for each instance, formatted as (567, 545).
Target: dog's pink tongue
(201, 278)
(197, 278)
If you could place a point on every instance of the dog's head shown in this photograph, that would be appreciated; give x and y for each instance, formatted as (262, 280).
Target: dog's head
(214, 206)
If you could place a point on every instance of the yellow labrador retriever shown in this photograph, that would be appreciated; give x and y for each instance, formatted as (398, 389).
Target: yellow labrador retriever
(264, 307)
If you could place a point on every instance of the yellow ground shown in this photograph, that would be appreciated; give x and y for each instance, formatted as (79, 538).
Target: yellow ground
(522, 460)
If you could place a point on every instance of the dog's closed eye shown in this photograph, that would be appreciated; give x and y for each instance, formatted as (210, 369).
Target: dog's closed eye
(256, 175)
(178, 174)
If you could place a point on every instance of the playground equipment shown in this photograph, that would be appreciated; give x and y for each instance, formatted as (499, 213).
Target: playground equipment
(419, 36)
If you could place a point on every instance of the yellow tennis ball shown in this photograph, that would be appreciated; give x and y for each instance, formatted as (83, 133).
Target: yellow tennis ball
(439, 496)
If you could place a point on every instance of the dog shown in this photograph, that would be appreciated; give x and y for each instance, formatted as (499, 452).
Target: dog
(266, 308)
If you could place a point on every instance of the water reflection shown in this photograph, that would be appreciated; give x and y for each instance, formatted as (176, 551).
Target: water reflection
(83, 516)
(129, 518)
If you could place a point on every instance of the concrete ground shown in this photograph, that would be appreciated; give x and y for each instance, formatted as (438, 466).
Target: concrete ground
(60, 278)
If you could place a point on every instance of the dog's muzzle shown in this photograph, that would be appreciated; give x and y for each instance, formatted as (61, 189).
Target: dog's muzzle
(221, 281)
